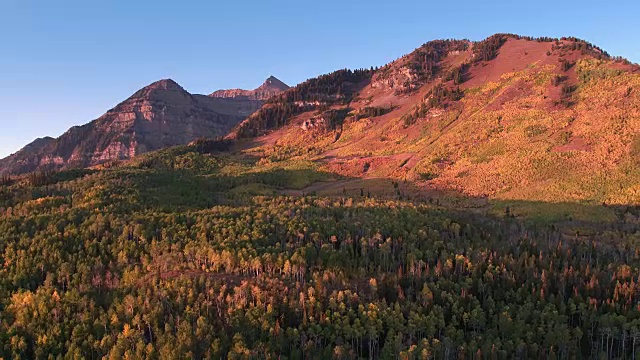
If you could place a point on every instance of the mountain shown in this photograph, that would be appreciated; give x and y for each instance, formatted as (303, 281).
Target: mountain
(160, 115)
(271, 87)
(508, 118)
(245, 102)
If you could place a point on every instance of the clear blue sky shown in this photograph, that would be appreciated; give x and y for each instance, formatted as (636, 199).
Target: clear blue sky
(64, 63)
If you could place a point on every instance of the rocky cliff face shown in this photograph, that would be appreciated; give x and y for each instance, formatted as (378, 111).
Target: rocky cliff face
(160, 115)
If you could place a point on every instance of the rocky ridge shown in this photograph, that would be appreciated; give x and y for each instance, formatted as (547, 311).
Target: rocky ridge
(160, 115)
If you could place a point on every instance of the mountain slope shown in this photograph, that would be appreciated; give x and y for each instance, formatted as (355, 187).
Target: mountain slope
(508, 118)
(160, 115)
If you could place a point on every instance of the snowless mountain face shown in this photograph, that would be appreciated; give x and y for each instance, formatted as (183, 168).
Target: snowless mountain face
(509, 117)
(160, 115)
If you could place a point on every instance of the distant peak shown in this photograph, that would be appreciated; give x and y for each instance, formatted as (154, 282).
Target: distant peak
(272, 79)
(272, 86)
(164, 84)
(273, 82)
(161, 88)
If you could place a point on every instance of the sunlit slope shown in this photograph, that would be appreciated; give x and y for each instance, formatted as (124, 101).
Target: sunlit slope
(542, 120)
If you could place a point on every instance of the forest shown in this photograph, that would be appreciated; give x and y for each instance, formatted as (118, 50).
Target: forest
(336, 88)
(438, 97)
(192, 253)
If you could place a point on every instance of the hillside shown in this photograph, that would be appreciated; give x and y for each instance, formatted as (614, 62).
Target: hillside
(508, 118)
(158, 116)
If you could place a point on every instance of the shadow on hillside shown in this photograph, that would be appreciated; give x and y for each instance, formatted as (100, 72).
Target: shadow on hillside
(167, 190)
(180, 190)
(156, 186)
(578, 215)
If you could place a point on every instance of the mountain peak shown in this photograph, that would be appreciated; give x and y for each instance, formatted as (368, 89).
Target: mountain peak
(161, 89)
(271, 87)
(164, 84)
(273, 83)
(159, 115)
